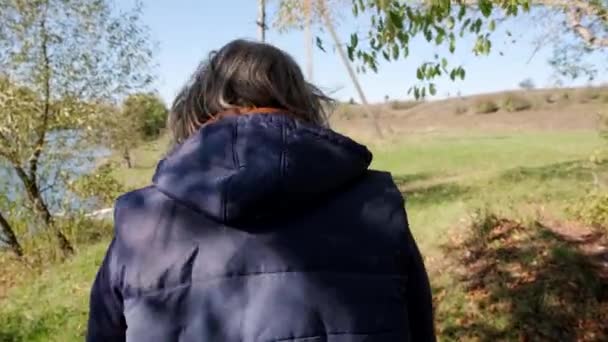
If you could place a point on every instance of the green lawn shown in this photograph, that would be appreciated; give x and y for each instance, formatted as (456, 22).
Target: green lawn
(443, 177)
(446, 177)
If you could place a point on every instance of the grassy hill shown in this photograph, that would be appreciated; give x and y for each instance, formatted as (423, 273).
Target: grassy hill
(463, 173)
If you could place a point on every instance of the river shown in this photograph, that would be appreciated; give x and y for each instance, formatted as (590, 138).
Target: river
(62, 159)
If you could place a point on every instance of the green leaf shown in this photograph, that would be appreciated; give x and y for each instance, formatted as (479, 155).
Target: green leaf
(396, 19)
(437, 69)
(462, 12)
(354, 40)
(430, 73)
(452, 45)
(395, 51)
(420, 74)
(319, 43)
(453, 75)
(492, 25)
(386, 55)
(476, 27)
(428, 35)
(373, 45)
(461, 73)
(444, 63)
(486, 7)
(451, 23)
(466, 24)
(432, 89)
(439, 38)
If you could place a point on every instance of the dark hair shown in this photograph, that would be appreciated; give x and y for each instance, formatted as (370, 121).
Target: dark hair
(245, 74)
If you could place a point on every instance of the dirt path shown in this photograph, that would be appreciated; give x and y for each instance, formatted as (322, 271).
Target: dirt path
(592, 244)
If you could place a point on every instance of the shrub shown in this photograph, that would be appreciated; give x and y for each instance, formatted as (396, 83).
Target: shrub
(589, 94)
(515, 103)
(551, 98)
(527, 84)
(485, 106)
(460, 109)
(403, 105)
(148, 113)
(594, 210)
(99, 186)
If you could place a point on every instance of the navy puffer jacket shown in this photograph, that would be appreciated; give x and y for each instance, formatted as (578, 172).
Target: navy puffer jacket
(261, 228)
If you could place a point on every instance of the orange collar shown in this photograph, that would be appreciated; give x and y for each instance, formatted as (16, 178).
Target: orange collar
(250, 110)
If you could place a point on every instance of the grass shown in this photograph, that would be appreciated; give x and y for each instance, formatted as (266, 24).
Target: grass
(444, 178)
(144, 158)
(521, 282)
(516, 103)
(485, 106)
(403, 105)
(54, 307)
(466, 172)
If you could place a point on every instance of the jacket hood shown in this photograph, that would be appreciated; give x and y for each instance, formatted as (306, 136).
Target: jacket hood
(248, 167)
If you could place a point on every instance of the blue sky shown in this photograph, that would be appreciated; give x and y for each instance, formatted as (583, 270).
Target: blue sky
(187, 30)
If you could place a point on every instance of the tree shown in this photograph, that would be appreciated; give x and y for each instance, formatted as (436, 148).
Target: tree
(8, 236)
(299, 14)
(308, 38)
(149, 111)
(142, 117)
(261, 22)
(527, 84)
(394, 23)
(60, 60)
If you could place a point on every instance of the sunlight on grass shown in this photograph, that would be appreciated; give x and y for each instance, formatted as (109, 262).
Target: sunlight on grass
(55, 306)
(443, 177)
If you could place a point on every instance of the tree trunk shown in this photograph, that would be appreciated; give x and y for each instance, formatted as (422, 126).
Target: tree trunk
(308, 39)
(126, 154)
(261, 20)
(11, 238)
(349, 69)
(35, 197)
(43, 210)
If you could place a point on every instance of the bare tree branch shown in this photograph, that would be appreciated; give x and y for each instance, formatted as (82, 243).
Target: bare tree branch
(576, 11)
(9, 237)
(47, 99)
(575, 17)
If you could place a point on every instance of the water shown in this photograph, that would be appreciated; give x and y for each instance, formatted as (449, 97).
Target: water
(62, 159)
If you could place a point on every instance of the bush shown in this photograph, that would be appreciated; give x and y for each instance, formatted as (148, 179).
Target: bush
(485, 106)
(515, 103)
(403, 105)
(527, 84)
(148, 112)
(100, 186)
(593, 211)
(589, 94)
(460, 109)
(551, 98)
